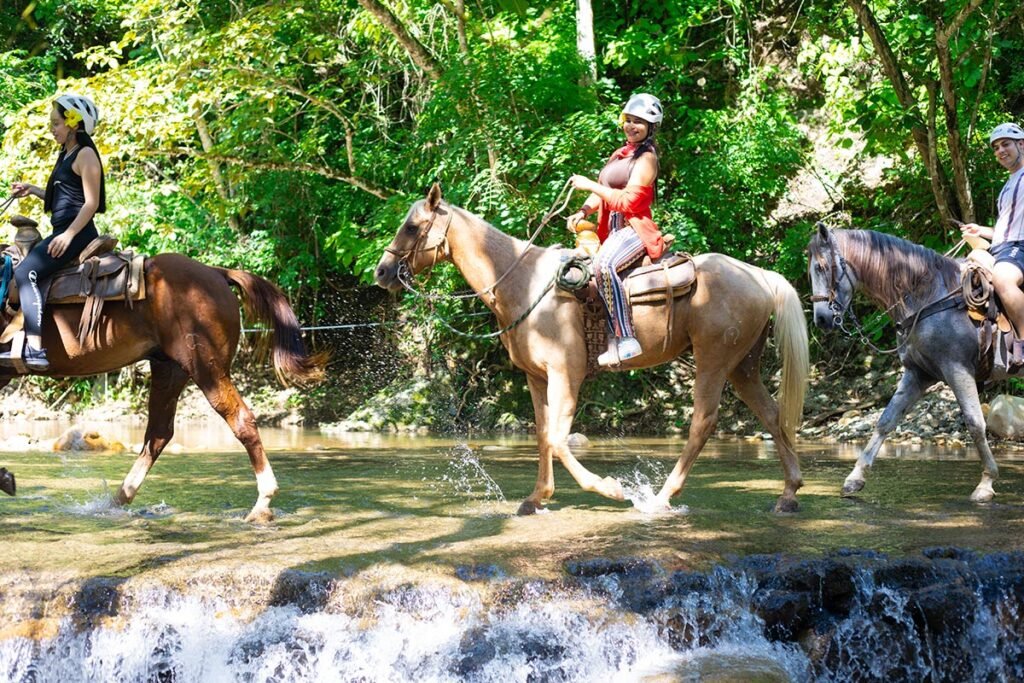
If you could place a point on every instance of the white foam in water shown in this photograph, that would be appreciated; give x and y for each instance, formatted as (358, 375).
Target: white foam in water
(420, 633)
(639, 489)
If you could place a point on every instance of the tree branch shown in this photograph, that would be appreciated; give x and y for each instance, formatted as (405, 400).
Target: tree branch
(421, 57)
(287, 167)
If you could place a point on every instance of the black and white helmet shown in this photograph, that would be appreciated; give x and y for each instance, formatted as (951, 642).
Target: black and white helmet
(85, 107)
(1006, 130)
(644, 106)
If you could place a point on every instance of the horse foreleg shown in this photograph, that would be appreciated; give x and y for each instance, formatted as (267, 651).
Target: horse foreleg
(911, 388)
(707, 395)
(966, 391)
(545, 486)
(226, 400)
(561, 403)
(167, 379)
(746, 379)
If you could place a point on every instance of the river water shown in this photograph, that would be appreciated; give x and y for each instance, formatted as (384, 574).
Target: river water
(397, 558)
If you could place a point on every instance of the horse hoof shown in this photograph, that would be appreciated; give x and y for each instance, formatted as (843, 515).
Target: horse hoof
(612, 488)
(786, 505)
(851, 487)
(7, 483)
(528, 507)
(982, 494)
(261, 516)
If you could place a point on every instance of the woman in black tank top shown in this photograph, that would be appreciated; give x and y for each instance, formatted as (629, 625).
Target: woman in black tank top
(74, 193)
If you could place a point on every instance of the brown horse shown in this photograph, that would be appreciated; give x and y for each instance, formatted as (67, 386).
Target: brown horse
(188, 328)
(724, 322)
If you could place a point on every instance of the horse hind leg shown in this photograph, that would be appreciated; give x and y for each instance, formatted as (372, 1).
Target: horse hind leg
(746, 380)
(167, 379)
(911, 388)
(966, 391)
(225, 399)
(707, 395)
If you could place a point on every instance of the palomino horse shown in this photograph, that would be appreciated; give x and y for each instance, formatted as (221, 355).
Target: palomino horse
(188, 328)
(936, 344)
(724, 321)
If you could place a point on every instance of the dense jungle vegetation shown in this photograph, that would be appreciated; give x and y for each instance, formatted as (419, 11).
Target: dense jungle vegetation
(289, 138)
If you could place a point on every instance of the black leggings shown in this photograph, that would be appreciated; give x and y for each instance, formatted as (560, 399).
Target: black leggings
(33, 272)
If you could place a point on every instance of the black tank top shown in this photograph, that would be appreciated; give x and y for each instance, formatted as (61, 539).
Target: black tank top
(68, 193)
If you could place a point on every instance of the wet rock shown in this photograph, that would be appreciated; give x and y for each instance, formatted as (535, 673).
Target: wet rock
(785, 613)
(479, 572)
(308, 591)
(1006, 417)
(577, 440)
(475, 651)
(719, 668)
(96, 598)
(909, 574)
(80, 438)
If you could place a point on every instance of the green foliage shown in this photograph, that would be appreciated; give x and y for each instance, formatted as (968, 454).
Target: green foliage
(291, 138)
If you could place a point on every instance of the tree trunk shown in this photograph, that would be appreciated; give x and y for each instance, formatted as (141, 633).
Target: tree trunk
(961, 182)
(922, 133)
(223, 189)
(585, 39)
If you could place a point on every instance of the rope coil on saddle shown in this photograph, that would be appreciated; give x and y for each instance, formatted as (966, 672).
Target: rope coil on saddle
(574, 273)
(976, 282)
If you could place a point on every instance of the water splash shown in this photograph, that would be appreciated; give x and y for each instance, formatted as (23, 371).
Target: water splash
(638, 486)
(466, 476)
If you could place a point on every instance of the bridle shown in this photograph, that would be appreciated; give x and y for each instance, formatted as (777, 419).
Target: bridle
(835, 279)
(440, 249)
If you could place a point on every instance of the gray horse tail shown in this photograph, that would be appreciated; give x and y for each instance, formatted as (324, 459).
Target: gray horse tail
(791, 342)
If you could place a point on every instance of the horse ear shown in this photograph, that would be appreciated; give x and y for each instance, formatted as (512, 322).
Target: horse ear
(823, 231)
(433, 197)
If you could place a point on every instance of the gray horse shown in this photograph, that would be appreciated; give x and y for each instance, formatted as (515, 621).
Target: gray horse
(920, 289)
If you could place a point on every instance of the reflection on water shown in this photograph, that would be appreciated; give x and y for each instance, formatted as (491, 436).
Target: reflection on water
(392, 517)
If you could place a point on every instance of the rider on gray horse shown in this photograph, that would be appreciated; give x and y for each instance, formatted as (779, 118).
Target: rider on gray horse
(1007, 141)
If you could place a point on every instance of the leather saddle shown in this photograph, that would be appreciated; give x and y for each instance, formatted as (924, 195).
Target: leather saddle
(100, 274)
(653, 284)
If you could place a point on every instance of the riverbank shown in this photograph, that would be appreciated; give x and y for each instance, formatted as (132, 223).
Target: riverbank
(841, 406)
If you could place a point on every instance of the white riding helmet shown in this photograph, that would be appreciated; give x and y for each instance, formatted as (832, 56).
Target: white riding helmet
(1006, 130)
(644, 106)
(84, 106)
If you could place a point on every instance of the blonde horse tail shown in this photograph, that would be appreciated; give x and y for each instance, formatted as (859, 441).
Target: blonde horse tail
(791, 341)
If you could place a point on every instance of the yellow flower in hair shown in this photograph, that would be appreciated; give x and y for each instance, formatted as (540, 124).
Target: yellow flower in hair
(72, 118)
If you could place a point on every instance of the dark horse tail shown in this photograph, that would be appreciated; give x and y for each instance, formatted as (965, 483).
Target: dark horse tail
(266, 303)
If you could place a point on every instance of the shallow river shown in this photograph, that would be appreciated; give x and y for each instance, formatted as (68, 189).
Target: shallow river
(401, 558)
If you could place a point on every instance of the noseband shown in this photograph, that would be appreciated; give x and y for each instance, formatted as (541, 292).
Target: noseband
(834, 280)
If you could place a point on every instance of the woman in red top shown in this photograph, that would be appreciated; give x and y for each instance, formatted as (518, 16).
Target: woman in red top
(623, 195)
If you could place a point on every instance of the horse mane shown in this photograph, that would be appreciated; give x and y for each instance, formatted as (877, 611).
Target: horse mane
(891, 268)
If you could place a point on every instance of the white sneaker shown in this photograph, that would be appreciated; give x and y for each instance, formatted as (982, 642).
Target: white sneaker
(628, 348)
(611, 356)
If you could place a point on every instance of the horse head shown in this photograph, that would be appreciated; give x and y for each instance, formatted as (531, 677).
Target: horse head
(832, 280)
(420, 242)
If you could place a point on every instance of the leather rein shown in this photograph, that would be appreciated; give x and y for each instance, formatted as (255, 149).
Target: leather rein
(903, 327)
